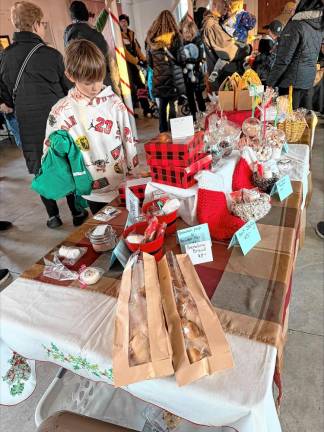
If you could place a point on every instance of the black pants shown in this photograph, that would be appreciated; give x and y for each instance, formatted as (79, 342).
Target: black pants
(301, 98)
(193, 96)
(163, 104)
(95, 206)
(53, 210)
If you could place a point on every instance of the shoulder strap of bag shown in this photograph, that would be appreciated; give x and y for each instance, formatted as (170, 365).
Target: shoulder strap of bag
(169, 54)
(23, 67)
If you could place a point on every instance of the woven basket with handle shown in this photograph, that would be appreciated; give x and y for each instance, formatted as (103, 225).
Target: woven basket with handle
(293, 128)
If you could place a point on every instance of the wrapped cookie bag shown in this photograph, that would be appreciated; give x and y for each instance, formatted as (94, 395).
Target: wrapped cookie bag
(141, 345)
(197, 338)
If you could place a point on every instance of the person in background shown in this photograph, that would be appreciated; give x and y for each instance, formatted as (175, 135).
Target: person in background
(297, 53)
(166, 57)
(97, 120)
(238, 22)
(274, 30)
(195, 83)
(199, 16)
(286, 13)
(80, 29)
(135, 59)
(224, 55)
(42, 84)
(318, 90)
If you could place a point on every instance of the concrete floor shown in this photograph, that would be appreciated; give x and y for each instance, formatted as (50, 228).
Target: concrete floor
(29, 239)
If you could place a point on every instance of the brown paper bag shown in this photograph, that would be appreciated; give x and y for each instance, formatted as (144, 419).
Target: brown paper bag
(243, 100)
(226, 98)
(198, 342)
(141, 348)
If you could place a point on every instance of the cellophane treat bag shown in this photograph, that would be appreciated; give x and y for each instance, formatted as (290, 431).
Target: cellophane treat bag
(198, 341)
(141, 348)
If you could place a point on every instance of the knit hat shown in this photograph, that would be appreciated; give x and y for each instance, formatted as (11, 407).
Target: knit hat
(212, 209)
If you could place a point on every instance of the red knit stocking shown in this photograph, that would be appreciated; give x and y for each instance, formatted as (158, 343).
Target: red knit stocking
(242, 176)
(212, 209)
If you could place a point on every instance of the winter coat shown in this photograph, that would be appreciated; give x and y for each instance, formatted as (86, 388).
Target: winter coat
(198, 62)
(100, 128)
(64, 163)
(133, 52)
(297, 52)
(218, 44)
(82, 30)
(168, 80)
(42, 84)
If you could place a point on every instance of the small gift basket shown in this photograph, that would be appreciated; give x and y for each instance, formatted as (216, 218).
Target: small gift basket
(295, 123)
(250, 204)
(165, 209)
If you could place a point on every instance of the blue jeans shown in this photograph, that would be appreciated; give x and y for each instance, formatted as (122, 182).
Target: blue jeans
(13, 127)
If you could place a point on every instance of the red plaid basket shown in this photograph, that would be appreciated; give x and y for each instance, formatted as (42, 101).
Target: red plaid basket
(179, 153)
(138, 190)
(179, 176)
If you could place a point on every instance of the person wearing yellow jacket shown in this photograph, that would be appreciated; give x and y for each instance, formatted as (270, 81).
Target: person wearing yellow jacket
(135, 59)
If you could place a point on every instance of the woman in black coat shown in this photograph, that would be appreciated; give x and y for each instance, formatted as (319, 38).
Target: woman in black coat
(166, 58)
(297, 53)
(194, 75)
(42, 84)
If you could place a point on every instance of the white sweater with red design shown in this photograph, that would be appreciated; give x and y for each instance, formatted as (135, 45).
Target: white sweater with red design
(100, 128)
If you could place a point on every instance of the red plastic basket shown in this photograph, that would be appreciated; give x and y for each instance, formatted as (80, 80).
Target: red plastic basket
(181, 177)
(179, 153)
(170, 219)
(154, 247)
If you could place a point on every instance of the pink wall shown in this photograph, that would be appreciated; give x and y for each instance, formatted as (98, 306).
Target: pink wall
(55, 12)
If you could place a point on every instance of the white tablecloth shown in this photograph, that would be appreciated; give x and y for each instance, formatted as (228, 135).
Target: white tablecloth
(74, 328)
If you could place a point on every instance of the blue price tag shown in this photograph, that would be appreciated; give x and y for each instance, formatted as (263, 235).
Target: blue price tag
(247, 237)
(285, 148)
(121, 254)
(196, 234)
(283, 188)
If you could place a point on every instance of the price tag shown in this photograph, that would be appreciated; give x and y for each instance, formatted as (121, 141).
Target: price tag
(247, 237)
(283, 188)
(132, 204)
(285, 148)
(200, 252)
(182, 127)
(195, 234)
(120, 254)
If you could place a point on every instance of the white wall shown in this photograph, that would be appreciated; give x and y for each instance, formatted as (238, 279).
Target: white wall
(142, 13)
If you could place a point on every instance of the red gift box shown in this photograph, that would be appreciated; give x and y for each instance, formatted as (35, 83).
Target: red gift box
(179, 153)
(179, 176)
(138, 190)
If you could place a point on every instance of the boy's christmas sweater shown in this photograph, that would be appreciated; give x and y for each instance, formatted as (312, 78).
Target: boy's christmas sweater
(100, 128)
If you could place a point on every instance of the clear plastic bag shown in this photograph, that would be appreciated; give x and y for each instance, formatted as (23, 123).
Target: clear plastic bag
(56, 270)
(221, 138)
(70, 255)
(139, 345)
(194, 337)
(159, 420)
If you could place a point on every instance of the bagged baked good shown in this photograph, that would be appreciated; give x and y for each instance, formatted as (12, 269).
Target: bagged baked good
(141, 345)
(197, 338)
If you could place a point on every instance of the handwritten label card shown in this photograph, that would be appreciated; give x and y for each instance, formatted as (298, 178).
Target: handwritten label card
(120, 254)
(132, 204)
(195, 234)
(200, 252)
(182, 127)
(247, 237)
(283, 188)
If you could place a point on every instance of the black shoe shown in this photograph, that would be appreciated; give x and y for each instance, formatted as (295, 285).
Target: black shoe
(320, 229)
(80, 218)
(54, 222)
(4, 274)
(4, 225)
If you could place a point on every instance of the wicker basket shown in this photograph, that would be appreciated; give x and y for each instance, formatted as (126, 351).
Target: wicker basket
(294, 129)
